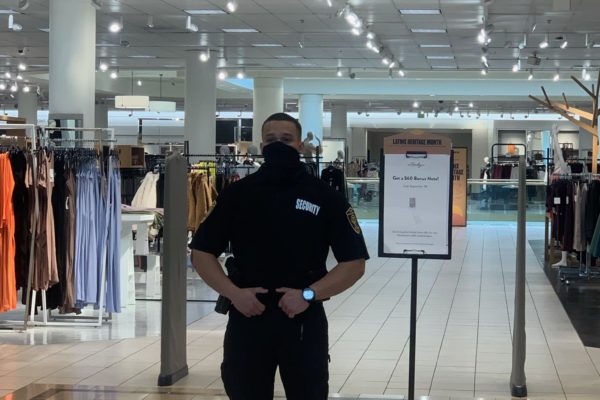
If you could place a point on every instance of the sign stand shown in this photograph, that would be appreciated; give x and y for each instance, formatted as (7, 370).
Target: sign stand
(415, 211)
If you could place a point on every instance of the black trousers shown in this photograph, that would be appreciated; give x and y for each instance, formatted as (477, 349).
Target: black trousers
(255, 347)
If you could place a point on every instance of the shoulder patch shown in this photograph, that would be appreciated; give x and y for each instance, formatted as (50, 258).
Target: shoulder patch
(353, 220)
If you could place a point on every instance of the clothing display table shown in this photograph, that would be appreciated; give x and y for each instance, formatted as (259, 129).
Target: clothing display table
(140, 248)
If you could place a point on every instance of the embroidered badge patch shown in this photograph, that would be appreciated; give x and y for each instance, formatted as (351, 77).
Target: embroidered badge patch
(353, 220)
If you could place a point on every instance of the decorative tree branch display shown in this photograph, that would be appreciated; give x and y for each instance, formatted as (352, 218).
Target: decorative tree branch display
(569, 112)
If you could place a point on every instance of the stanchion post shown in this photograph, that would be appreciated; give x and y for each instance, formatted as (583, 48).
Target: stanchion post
(518, 385)
(413, 328)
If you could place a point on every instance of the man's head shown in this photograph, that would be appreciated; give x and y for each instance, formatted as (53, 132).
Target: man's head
(281, 127)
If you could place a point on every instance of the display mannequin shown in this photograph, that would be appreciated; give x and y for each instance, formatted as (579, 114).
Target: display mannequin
(563, 260)
(340, 157)
(309, 148)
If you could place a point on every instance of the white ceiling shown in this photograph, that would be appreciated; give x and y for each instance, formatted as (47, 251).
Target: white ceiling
(327, 41)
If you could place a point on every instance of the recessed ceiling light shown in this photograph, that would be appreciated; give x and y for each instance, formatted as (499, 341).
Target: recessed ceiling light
(141, 56)
(47, 30)
(596, 45)
(440, 57)
(267, 45)
(289, 56)
(205, 12)
(421, 12)
(427, 30)
(304, 65)
(239, 30)
(434, 46)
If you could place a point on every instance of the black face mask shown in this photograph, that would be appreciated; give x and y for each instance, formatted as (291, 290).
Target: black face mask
(278, 153)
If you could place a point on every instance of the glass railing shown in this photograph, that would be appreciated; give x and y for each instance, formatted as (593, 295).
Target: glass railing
(487, 200)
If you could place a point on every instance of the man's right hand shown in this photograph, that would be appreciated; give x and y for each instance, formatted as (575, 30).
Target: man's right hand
(245, 301)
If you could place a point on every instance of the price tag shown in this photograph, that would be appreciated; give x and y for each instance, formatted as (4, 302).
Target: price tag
(556, 200)
(51, 177)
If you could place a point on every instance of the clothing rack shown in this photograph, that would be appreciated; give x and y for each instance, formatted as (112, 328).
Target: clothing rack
(584, 270)
(31, 131)
(75, 320)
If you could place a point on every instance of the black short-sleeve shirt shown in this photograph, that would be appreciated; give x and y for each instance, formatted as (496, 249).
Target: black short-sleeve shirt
(281, 224)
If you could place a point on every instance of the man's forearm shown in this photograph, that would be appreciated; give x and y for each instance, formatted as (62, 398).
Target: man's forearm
(210, 270)
(340, 278)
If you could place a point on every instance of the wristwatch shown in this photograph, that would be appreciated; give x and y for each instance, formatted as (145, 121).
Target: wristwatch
(308, 295)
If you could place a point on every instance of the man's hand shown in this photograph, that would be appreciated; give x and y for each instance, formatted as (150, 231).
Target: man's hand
(245, 301)
(292, 303)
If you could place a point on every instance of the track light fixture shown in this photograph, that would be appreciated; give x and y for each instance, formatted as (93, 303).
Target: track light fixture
(231, 6)
(139, 83)
(530, 77)
(204, 56)
(189, 25)
(22, 67)
(116, 26)
(517, 66)
(150, 21)
(557, 76)
(222, 75)
(565, 43)
(544, 43)
(14, 87)
(339, 73)
(12, 25)
(26, 89)
(2, 86)
(7, 75)
(114, 75)
(416, 104)
(103, 67)
(241, 74)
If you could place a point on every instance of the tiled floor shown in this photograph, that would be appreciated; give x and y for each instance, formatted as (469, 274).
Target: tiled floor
(463, 344)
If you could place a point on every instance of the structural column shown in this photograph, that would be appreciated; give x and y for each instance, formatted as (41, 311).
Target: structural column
(72, 59)
(28, 106)
(200, 103)
(101, 115)
(267, 100)
(339, 121)
(311, 114)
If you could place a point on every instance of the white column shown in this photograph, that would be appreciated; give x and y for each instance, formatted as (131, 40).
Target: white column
(339, 121)
(72, 52)
(28, 106)
(310, 107)
(359, 143)
(200, 103)
(101, 115)
(267, 99)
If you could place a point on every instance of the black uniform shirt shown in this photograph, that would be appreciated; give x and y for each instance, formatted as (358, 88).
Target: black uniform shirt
(281, 222)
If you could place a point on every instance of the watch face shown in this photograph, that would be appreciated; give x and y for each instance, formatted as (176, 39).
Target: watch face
(308, 294)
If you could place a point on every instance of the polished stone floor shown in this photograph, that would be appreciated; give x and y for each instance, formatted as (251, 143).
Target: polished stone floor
(465, 310)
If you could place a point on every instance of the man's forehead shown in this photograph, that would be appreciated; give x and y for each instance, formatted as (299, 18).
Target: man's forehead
(280, 127)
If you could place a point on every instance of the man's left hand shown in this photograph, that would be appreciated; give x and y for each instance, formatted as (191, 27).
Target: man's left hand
(292, 303)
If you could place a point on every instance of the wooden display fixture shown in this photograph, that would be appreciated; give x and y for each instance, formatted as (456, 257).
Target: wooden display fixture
(131, 156)
(565, 110)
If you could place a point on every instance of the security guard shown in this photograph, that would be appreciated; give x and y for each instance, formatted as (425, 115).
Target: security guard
(280, 222)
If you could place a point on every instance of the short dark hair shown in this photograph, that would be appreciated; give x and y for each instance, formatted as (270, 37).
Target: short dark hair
(283, 117)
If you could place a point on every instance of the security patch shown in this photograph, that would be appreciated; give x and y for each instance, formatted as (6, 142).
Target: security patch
(353, 220)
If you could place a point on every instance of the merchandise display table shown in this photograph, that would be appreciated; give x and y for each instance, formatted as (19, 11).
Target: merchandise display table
(129, 248)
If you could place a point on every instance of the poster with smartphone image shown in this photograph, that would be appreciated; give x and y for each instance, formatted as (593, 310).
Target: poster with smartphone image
(416, 197)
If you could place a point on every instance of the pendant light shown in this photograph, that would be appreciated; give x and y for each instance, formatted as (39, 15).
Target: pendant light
(160, 105)
(132, 101)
